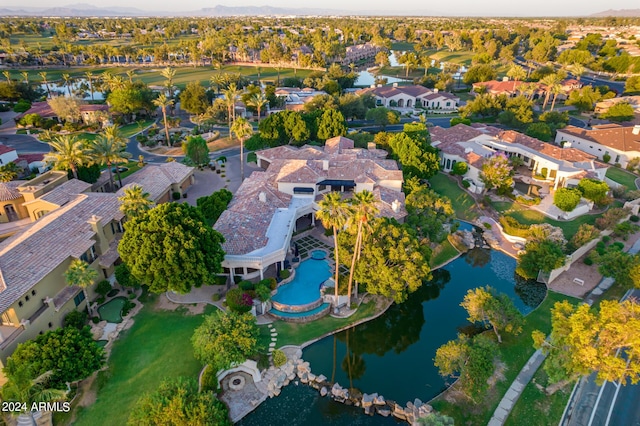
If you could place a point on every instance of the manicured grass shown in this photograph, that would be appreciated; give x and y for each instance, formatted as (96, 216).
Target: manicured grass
(514, 352)
(459, 57)
(157, 346)
(405, 46)
(536, 406)
(463, 203)
(530, 217)
(443, 253)
(86, 136)
(296, 334)
(132, 166)
(129, 130)
(623, 177)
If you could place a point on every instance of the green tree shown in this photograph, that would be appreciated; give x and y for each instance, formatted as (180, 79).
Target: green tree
(163, 102)
(584, 99)
(9, 172)
(334, 212)
(169, 73)
(615, 263)
(594, 190)
(460, 168)
(130, 99)
(382, 58)
(567, 199)
(213, 205)
(196, 150)
(539, 256)
(428, 214)
(382, 116)
(485, 306)
(178, 402)
(66, 108)
(497, 172)
(242, 129)
(632, 85)
(585, 340)
(193, 98)
(82, 275)
(68, 353)
(364, 210)
(171, 248)
(135, 202)
(393, 262)
(621, 111)
(107, 151)
(226, 339)
(258, 101)
(480, 72)
(417, 157)
(471, 360)
(330, 124)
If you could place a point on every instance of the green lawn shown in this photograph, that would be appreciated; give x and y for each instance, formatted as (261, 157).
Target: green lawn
(622, 177)
(132, 166)
(462, 202)
(515, 351)
(129, 130)
(296, 334)
(157, 346)
(404, 46)
(458, 57)
(530, 217)
(443, 253)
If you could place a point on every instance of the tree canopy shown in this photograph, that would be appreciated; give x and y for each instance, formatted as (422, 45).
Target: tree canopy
(429, 213)
(594, 190)
(417, 156)
(567, 199)
(331, 124)
(544, 256)
(193, 98)
(196, 150)
(225, 339)
(213, 205)
(171, 248)
(485, 306)
(178, 402)
(497, 173)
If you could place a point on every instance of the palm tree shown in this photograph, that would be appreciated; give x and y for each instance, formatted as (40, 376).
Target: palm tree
(82, 275)
(89, 76)
(7, 75)
(109, 151)
(169, 73)
(517, 73)
(24, 389)
(556, 89)
(549, 81)
(163, 102)
(68, 152)
(9, 172)
(67, 82)
(113, 134)
(134, 202)
(364, 210)
(217, 80)
(577, 70)
(258, 100)
(130, 74)
(334, 213)
(25, 77)
(231, 95)
(43, 76)
(241, 128)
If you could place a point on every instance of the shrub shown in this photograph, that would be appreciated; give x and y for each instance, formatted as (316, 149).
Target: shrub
(272, 283)
(528, 201)
(543, 172)
(588, 261)
(606, 239)
(103, 288)
(124, 277)
(77, 319)
(132, 296)
(215, 297)
(611, 218)
(634, 218)
(237, 302)
(209, 379)
(606, 157)
(100, 300)
(279, 358)
(566, 199)
(263, 292)
(466, 183)
(95, 320)
(513, 227)
(22, 106)
(246, 285)
(459, 168)
(176, 196)
(285, 273)
(128, 306)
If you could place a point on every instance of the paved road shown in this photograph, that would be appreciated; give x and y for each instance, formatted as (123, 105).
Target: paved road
(24, 144)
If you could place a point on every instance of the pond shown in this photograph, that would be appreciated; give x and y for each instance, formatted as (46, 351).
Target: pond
(80, 88)
(365, 78)
(393, 354)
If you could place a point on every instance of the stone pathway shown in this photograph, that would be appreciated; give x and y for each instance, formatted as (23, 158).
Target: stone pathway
(274, 338)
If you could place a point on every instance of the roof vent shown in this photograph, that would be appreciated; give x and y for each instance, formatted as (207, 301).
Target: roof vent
(636, 130)
(262, 197)
(395, 206)
(325, 165)
(505, 78)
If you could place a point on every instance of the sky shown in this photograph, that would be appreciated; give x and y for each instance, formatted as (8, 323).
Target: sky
(457, 7)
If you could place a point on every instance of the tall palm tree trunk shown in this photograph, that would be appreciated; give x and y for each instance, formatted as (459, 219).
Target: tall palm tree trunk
(335, 241)
(119, 177)
(110, 176)
(356, 250)
(166, 128)
(74, 171)
(241, 159)
(553, 103)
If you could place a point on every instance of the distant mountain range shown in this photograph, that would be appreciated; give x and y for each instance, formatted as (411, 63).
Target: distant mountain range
(626, 13)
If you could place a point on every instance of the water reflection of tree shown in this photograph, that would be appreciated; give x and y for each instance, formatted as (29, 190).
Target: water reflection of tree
(400, 326)
(531, 292)
(352, 363)
(478, 257)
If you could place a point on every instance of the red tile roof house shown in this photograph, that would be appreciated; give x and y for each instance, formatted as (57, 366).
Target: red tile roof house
(561, 166)
(263, 213)
(505, 87)
(398, 96)
(87, 111)
(622, 143)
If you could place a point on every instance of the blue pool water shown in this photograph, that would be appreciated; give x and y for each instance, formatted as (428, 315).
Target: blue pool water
(305, 287)
(299, 314)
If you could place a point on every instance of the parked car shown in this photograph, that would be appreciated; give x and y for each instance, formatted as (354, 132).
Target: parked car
(119, 169)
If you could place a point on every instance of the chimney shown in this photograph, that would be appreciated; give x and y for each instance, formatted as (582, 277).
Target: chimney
(435, 90)
(505, 78)
(325, 165)
(101, 239)
(636, 130)
(373, 86)
(395, 84)
(262, 197)
(395, 206)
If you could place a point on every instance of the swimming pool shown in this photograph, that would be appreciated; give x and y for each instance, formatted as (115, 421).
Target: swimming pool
(112, 310)
(305, 286)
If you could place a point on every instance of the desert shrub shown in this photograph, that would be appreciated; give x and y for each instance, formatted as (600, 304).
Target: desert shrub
(528, 201)
(237, 301)
(279, 358)
(77, 319)
(584, 234)
(624, 229)
(611, 218)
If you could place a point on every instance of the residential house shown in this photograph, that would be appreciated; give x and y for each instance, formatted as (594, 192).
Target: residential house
(511, 88)
(603, 106)
(295, 98)
(474, 145)
(161, 181)
(441, 101)
(264, 212)
(621, 143)
(396, 96)
(89, 113)
(360, 52)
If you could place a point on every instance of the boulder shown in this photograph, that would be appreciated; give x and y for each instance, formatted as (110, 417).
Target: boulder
(323, 391)
(321, 378)
(312, 377)
(379, 400)
(384, 412)
(367, 400)
(398, 412)
(276, 392)
(369, 410)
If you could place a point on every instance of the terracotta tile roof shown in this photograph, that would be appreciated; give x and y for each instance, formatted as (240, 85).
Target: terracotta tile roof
(457, 133)
(497, 87)
(9, 191)
(31, 158)
(474, 159)
(337, 144)
(44, 110)
(27, 257)
(557, 152)
(157, 179)
(66, 192)
(613, 136)
(290, 152)
(390, 91)
(445, 95)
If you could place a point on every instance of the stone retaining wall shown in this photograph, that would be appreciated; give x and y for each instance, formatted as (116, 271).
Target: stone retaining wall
(303, 319)
(296, 308)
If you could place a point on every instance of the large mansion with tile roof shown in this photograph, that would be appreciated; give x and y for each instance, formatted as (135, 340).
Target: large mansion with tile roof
(262, 216)
(411, 97)
(622, 143)
(64, 221)
(473, 145)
